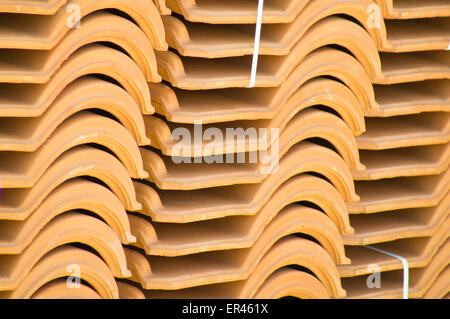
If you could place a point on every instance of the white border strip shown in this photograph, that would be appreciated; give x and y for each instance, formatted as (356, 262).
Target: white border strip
(405, 269)
(256, 44)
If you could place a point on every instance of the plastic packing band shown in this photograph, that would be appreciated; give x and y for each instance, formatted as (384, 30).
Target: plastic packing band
(405, 269)
(256, 44)
(448, 48)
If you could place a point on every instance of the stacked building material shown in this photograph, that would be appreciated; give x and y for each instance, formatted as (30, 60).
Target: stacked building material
(267, 149)
(400, 81)
(73, 90)
(401, 222)
(228, 229)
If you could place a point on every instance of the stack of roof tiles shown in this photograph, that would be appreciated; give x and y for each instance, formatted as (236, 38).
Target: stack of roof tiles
(73, 95)
(97, 98)
(404, 189)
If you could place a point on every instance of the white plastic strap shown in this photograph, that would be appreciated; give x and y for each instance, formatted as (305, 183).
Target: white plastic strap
(448, 48)
(405, 269)
(256, 44)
